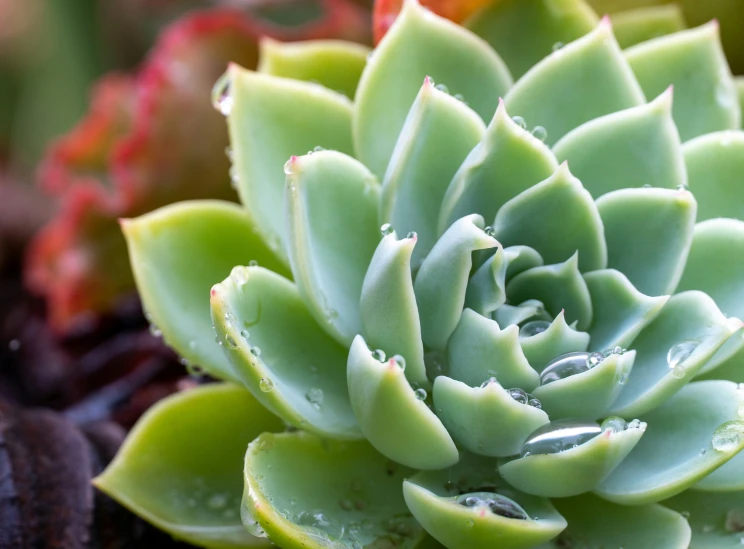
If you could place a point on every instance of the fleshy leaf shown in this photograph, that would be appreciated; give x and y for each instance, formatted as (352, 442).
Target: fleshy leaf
(715, 264)
(254, 311)
(677, 449)
(485, 420)
(532, 309)
(441, 282)
(305, 492)
(479, 350)
(645, 23)
(574, 471)
(547, 96)
(390, 318)
(519, 259)
(631, 148)
(687, 332)
(715, 167)
(335, 64)
(595, 523)
(432, 498)
(174, 287)
(740, 88)
(693, 61)
(486, 289)
(715, 518)
(620, 310)
(179, 468)
(568, 222)
(270, 119)
(506, 162)
(332, 232)
(419, 44)
(588, 394)
(381, 397)
(653, 265)
(438, 134)
(558, 339)
(525, 31)
(560, 287)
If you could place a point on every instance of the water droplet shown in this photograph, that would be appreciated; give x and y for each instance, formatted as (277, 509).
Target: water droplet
(229, 153)
(557, 46)
(256, 351)
(490, 231)
(616, 350)
(728, 436)
(420, 394)
(234, 178)
(615, 424)
(217, 501)
(230, 343)
(239, 276)
(245, 334)
(460, 97)
(685, 514)
(313, 518)
(14, 345)
(734, 520)
(412, 234)
(488, 382)
(154, 330)
(623, 379)
(442, 88)
(560, 435)
(496, 503)
(266, 385)
(540, 133)
(519, 395)
(387, 229)
(318, 148)
(400, 361)
(379, 355)
(222, 99)
(253, 263)
(637, 424)
(647, 186)
(229, 317)
(680, 352)
(533, 327)
(568, 365)
(315, 397)
(535, 403)
(519, 121)
(678, 372)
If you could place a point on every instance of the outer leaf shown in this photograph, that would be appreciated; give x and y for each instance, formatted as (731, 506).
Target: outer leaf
(390, 318)
(381, 397)
(459, 527)
(589, 394)
(335, 64)
(573, 471)
(271, 119)
(631, 148)
(676, 450)
(557, 340)
(547, 96)
(310, 493)
(687, 318)
(620, 311)
(710, 516)
(419, 44)
(740, 87)
(174, 287)
(179, 468)
(653, 265)
(485, 420)
(479, 350)
(442, 280)
(438, 134)
(332, 232)
(560, 287)
(525, 31)
(693, 61)
(715, 165)
(714, 265)
(638, 25)
(508, 161)
(595, 523)
(254, 312)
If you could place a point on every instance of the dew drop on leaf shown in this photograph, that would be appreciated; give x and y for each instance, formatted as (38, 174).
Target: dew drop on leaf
(256, 351)
(266, 385)
(315, 397)
(379, 355)
(559, 435)
(680, 352)
(533, 327)
(540, 133)
(728, 436)
(400, 361)
(420, 394)
(569, 364)
(519, 121)
(386, 229)
(615, 424)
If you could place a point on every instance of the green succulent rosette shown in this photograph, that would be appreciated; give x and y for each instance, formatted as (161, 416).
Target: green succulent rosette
(458, 310)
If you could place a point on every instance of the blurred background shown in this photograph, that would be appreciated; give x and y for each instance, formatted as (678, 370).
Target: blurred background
(104, 114)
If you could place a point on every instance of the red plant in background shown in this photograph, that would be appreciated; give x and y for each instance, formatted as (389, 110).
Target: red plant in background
(148, 141)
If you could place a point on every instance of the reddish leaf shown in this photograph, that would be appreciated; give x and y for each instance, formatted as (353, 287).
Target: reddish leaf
(148, 142)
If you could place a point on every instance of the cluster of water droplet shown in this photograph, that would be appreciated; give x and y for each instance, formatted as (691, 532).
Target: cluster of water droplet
(496, 503)
(678, 354)
(539, 132)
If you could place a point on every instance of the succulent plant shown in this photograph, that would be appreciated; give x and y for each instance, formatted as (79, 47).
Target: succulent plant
(456, 320)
